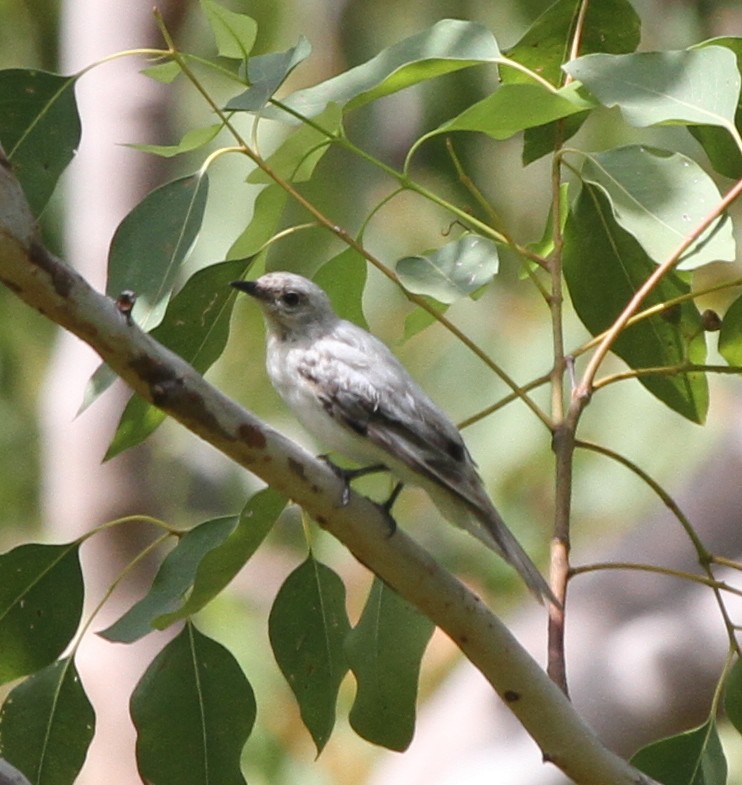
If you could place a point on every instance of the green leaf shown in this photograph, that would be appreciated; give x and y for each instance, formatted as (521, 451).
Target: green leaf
(41, 596)
(608, 26)
(193, 710)
(175, 576)
(660, 198)
(301, 151)
(453, 271)
(692, 758)
(39, 129)
(165, 72)
(733, 696)
(195, 326)
(604, 266)
(307, 625)
(720, 146)
(220, 565)
(152, 242)
(234, 33)
(267, 212)
(449, 45)
(513, 108)
(47, 724)
(266, 73)
(192, 140)
(654, 88)
(730, 336)
(344, 278)
(385, 651)
(418, 318)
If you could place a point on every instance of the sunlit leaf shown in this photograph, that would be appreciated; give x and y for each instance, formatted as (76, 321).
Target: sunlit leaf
(266, 73)
(152, 242)
(692, 758)
(39, 129)
(195, 326)
(344, 278)
(220, 565)
(193, 710)
(47, 724)
(307, 625)
(41, 596)
(660, 198)
(385, 651)
(175, 576)
(449, 45)
(267, 210)
(604, 266)
(234, 33)
(192, 140)
(453, 271)
(166, 72)
(653, 88)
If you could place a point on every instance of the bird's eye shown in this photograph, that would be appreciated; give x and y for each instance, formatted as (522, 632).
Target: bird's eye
(291, 299)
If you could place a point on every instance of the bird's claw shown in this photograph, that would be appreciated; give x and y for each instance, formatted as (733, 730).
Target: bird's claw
(346, 475)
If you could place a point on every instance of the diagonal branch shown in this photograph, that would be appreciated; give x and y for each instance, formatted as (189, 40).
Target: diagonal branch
(62, 295)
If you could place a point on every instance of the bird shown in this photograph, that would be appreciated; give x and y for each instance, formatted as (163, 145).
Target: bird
(354, 396)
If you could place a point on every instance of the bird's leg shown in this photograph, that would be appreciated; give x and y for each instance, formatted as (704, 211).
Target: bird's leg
(347, 475)
(386, 507)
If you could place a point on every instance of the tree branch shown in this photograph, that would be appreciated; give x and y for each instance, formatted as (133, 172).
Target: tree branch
(62, 295)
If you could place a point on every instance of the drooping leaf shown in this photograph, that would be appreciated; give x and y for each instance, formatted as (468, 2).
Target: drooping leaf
(152, 242)
(220, 565)
(192, 140)
(604, 266)
(385, 651)
(193, 710)
(234, 33)
(41, 596)
(301, 151)
(654, 88)
(344, 278)
(609, 26)
(39, 129)
(267, 211)
(449, 45)
(453, 271)
(730, 336)
(733, 696)
(165, 72)
(175, 576)
(266, 73)
(47, 724)
(195, 326)
(692, 758)
(307, 625)
(660, 198)
(722, 149)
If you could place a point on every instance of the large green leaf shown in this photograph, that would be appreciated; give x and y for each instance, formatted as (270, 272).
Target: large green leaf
(344, 278)
(733, 696)
(653, 88)
(730, 336)
(385, 651)
(660, 197)
(720, 146)
(152, 242)
(234, 33)
(39, 129)
(453, 271)
(193, 710)
(195, 326)
(267, 210)
(220, 565)
(307, 625)
(41, 596)
(175, 576)
(449, 45)
(692, 758)
(604, 266)
(47, 724)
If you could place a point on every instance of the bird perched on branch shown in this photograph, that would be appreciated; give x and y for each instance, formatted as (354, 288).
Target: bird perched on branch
(351, 393)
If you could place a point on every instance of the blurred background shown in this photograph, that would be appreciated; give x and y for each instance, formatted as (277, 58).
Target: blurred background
(643, 652)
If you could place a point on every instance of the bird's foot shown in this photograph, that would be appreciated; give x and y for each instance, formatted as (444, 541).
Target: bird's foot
(347, 475)
(386, 508)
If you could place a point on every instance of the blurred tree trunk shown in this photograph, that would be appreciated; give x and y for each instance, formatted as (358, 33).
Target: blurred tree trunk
(105, 181)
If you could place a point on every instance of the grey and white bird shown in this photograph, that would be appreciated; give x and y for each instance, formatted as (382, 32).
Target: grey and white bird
(353, 395)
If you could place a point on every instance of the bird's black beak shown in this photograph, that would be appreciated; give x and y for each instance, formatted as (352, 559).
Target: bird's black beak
(249, 287)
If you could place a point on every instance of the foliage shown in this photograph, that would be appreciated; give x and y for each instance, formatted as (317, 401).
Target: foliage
(627, 228)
